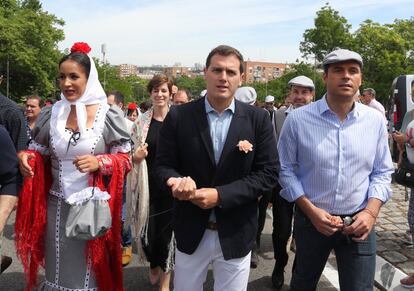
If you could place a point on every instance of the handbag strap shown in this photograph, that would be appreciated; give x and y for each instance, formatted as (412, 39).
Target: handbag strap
(93, 187)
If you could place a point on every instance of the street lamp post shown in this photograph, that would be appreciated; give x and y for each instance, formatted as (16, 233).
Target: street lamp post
(103, 50)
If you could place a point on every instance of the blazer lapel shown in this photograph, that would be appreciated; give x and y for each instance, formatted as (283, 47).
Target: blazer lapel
(202, 123)
(233, 135)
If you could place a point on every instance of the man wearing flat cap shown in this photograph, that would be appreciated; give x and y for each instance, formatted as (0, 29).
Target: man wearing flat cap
(301, 92)
(338, 189)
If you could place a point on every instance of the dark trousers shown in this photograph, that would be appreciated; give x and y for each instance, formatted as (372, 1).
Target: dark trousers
(355, 260)
(282, 227)
(126, 229)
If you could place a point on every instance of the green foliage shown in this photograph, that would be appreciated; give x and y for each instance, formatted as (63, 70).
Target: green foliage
(133, 88)
(331, 31)
(29, 38)
(279, 88)
(405, 28)
(387, 50)
(384, 54)
(195, 86)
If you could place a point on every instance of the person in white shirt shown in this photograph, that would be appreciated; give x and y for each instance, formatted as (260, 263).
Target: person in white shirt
(369, 99)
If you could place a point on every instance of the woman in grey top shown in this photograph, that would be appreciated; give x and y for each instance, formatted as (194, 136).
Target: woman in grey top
(88, 146)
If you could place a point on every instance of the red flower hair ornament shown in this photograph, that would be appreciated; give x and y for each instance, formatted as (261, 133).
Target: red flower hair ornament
(132, 106)
(80, 47)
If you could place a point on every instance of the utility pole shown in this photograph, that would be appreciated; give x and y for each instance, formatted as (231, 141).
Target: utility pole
(103, 50)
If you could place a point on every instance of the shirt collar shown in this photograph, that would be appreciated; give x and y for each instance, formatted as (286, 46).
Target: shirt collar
(209, 108)
(289, 109)
(355, 112)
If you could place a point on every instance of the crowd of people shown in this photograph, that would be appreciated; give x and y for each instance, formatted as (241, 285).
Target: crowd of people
(190, 180)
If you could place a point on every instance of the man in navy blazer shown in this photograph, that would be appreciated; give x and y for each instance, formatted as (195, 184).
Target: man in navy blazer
(216, 155)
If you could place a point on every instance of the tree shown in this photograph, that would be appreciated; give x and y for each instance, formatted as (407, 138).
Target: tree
(405, 28)
(387, 50)
(29, 38)
(331, 31)
(279, 88)
(384, 52)
(195, 86)
(133, 88)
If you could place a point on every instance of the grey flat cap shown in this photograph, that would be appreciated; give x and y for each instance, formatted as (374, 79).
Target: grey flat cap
(302, 81)
(342, 55)
(246, 95)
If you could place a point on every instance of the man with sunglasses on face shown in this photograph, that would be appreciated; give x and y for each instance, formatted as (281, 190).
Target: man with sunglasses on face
(337, 188)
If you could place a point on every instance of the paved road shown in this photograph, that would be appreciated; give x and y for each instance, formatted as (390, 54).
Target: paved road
(393, 241)
(135, 277)
(391, 237)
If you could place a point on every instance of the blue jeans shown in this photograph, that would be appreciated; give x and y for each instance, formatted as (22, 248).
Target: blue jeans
(355, 260)
(126, 233)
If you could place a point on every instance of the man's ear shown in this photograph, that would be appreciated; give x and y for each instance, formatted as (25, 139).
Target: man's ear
(324, 77)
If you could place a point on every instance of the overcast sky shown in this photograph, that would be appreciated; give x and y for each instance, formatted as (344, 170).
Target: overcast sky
(146, 32)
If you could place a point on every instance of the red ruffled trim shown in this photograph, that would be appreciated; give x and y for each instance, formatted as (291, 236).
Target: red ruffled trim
(30, 223)
(106, 251)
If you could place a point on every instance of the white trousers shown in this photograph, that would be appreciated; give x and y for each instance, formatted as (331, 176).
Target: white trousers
(190, 271)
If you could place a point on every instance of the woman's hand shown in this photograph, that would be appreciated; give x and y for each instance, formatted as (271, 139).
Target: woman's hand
(400, 138)
(140, 153)
(86, 164)
(24, 166)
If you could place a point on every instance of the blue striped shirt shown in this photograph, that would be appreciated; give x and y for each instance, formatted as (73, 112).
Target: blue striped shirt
(337, 165)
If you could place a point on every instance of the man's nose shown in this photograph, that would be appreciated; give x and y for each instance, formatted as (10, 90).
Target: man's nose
(347, 74)
(223, 75)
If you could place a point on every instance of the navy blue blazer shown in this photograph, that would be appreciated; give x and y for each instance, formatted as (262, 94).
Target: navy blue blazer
(185, 149)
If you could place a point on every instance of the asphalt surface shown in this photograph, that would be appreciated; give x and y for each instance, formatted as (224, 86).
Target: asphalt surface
(136, 277)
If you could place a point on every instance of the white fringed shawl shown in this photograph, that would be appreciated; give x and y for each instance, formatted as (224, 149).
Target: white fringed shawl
(137, 195)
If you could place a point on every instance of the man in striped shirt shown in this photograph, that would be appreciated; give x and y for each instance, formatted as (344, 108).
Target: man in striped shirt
(325, 172)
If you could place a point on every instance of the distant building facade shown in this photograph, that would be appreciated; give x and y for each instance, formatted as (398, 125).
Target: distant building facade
(176, 72)
(126, 70)
(262, 71)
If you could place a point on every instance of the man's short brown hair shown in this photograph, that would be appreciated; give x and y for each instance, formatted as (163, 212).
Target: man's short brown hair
(225, 50)
(157, 81)
(36, 97)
